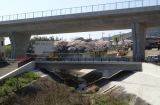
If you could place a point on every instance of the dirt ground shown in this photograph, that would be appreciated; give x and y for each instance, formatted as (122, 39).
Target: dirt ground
(147, 52)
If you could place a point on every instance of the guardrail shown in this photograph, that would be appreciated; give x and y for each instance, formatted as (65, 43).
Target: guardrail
(66, 59)
(24, 62)
(79, 59)
(82, 9)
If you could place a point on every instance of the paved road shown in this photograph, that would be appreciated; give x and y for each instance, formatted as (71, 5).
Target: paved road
(8, 68)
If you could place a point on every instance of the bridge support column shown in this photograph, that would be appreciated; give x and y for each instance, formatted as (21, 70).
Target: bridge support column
(19, 44)
(139, 37)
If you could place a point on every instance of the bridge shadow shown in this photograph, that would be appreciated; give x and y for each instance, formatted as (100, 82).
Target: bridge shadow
(57, 79)
(118, 77)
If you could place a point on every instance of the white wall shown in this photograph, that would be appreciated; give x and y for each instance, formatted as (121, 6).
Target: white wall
(28, 67)
(151, 69)
(41, 46)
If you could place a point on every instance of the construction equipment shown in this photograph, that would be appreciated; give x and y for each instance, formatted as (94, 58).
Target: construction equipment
(54, 56)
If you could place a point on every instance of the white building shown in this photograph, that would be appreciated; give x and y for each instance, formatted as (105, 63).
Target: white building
(44, 47)
(2, 48)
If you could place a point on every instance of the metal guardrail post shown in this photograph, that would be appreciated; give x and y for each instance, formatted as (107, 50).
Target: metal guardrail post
(116, 6)
(81, 9)
(92, 8)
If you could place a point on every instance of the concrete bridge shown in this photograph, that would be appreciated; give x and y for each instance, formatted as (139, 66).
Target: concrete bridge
(138, 19)
(129, 66)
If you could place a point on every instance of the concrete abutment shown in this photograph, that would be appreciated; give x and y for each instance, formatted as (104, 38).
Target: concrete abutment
(139, 37)
(19, 44)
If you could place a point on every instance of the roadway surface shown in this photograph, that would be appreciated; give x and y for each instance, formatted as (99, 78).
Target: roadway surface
(9, 68)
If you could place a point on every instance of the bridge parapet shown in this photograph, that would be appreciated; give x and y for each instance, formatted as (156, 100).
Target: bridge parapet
(82, 9)
(129, 66)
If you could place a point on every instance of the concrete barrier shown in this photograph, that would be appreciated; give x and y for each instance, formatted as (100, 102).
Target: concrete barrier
(151, 69)
(27, 67)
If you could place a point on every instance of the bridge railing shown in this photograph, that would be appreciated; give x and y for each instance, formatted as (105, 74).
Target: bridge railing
(66, 59)
(82, 9)
(80, 59)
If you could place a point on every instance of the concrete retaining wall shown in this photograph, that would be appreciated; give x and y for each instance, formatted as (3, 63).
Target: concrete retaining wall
(112, 52)
(151, 69)
(28, 67)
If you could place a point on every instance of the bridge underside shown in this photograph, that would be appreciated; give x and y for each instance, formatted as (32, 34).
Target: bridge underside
(137, 19)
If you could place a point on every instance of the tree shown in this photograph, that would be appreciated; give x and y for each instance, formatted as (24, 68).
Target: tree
(8, 51)
(61, 44)
(76, 45)
(125, 43)
(99, 45)
(51, 38)
(115, 39)
(88, 40)
(90, 46)
(102, 45)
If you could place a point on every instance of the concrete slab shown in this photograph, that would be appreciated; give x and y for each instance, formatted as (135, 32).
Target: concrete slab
(8, 68)
(140, 84)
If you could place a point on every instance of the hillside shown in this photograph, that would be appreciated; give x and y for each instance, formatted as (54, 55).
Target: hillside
(150, 32)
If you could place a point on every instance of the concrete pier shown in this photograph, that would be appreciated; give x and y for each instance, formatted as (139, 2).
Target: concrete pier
(19, 44)
(139, 36)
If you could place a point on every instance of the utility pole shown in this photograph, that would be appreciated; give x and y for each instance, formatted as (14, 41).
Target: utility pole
(89, 36)
(120, 35)
(109, 38)
(102, 35)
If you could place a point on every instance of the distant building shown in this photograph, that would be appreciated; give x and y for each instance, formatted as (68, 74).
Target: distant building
(152, 42)
(2, 49)
(44, 47)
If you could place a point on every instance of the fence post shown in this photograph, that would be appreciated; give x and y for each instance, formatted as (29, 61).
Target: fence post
(116, 6)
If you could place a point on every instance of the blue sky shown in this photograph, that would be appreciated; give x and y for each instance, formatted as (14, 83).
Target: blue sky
(9, 7)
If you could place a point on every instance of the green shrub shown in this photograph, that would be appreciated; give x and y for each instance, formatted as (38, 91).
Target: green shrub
(99, 101)
(8, 51)
(23, 80)
(72, 89)
(6, 90)
(2, 92)
(31, 75)
(10, 82)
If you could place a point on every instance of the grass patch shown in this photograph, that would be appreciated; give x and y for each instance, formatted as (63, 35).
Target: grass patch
(14, 83)
(106, 99)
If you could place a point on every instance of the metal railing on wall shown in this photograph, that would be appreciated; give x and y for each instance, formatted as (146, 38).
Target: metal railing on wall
(66, 59)
(82, 9)
(24, 62)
